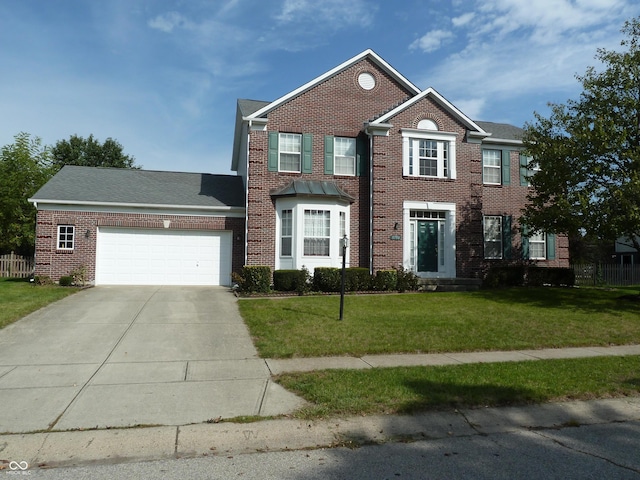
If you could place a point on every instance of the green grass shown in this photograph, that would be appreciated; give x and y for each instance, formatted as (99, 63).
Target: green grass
(509, 319)
(18, 298)
(412, 389)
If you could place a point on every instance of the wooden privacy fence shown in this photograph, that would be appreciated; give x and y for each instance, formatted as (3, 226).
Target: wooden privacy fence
(607, 274)
(12, 265)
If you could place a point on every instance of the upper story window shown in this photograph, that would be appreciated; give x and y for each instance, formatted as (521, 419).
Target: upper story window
(344, 162)
(528, 168)
(428, 153)
(290, 152)
(66, 237)
(492, 167)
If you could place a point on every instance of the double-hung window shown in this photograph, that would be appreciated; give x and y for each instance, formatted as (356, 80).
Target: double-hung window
(290, 152)
(491, 167)
(492, 237)
(537, 246)
(428, 154)
(317, 233)
(344, 156)
(66, 237)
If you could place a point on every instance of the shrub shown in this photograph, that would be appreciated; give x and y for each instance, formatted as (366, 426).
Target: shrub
(385, 280)
(253, 279)
(291, 280)
(326, 279)
(407, 280)
(504, 276)
(79, 275)
(357, 279)
(42, 280)
(66, 281)
(538, 276)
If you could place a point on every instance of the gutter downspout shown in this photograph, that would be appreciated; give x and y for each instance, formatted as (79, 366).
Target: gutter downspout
(370, 203)
(246, 197)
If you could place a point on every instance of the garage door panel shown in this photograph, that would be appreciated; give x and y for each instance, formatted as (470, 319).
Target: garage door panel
(163, 257)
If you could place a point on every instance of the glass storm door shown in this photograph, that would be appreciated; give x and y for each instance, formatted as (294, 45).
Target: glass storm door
(427, 246)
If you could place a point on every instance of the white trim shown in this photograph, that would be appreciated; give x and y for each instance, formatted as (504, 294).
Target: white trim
(440, 99)
(100, 207)
(343, 66)
(409, 134)
(449, 270)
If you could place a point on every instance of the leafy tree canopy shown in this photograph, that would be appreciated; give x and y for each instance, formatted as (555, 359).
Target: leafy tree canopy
(25, 166)
(588, 152)
(90, 152)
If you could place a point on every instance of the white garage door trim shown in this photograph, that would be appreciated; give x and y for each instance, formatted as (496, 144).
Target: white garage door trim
(139, 256)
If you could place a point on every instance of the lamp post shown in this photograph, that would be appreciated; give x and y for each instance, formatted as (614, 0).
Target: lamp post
(345, 244)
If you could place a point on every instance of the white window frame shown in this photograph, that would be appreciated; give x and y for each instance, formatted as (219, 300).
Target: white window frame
(495, 239)
(341, 160)
(491, 168)
(539, 239)
(317, 229)
(446, 153)
(284, 141)
(286, 232)
(66, 240)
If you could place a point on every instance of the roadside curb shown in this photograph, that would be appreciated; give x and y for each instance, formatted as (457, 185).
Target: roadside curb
(56, 449)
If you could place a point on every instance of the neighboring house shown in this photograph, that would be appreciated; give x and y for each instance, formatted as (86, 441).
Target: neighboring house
(625, 253)
(359, 152)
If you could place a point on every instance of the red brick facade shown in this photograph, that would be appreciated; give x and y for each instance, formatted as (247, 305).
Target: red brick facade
(55, 262)
(339, 106)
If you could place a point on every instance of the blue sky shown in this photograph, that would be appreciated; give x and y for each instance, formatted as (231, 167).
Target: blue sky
(162, 76)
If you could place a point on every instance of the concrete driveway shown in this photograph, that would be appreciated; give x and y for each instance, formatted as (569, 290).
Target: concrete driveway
(125, 356)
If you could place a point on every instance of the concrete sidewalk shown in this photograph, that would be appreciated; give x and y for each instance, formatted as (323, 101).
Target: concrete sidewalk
(42, 450)
(290, 365)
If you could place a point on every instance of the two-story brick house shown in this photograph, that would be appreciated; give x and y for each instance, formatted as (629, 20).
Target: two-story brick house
(409, 178)
(359, 151)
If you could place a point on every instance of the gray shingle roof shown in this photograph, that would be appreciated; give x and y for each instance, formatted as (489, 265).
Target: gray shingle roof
(247, 107)
(502, 130)
(128, 186)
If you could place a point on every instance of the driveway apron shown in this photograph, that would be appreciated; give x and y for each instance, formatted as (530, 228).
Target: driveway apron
(126, 356)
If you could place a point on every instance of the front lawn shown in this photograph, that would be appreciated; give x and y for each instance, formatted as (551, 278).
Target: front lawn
(412, 389)
(509, 319)
(18, 298)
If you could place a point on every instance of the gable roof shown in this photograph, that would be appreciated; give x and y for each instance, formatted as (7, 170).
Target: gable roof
(443, 102)
(148, 188)
(368, 54)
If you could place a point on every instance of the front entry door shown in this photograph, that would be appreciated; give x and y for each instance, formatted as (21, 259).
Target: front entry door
(428, 246)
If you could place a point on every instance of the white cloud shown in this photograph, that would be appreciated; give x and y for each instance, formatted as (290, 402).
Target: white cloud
(335, 14)
(463, 20)
(432, 41)
(167, 22)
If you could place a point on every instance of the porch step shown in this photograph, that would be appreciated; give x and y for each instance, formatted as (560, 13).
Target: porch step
(450, 284)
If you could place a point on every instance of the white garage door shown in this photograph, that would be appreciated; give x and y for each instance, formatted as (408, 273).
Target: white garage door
(132, 256)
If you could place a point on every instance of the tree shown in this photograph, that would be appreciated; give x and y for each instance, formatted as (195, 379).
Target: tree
(90, 152)
(25, 166)
(588, 152)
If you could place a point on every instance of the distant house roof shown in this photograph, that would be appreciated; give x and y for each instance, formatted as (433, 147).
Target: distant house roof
(123, 186)
(312, 188)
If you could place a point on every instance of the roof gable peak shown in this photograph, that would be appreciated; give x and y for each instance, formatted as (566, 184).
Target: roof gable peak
(370, 54)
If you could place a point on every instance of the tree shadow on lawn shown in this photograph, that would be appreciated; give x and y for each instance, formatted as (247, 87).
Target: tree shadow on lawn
(439, 395)
(591, 301)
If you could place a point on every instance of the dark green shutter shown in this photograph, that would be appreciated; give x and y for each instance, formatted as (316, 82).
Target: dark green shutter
(551, 246)
(506, 237)
(506, 167)
(362, 156)
(307, 153)
(328, 154)
(525, 242)
(272, 162)
(524, 171)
